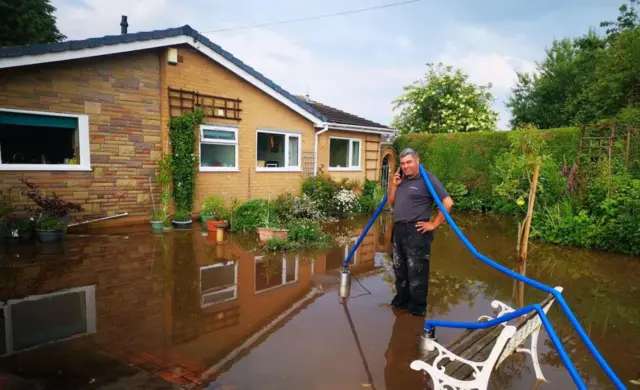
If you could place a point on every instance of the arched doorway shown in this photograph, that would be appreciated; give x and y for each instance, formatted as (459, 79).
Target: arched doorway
(388, 166)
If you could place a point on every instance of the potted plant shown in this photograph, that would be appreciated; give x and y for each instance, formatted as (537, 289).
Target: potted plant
(157, 220)
(50, 208)
(50, 228)
(212, 208)
(182, 220)
(270, 229)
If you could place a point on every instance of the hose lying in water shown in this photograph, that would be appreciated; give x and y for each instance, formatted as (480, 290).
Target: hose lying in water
(540, 286)
(558, 296)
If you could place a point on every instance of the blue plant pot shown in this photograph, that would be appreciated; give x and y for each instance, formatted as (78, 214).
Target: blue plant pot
(49, 236)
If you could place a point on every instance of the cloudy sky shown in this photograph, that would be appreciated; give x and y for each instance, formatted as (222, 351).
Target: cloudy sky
(360, 62)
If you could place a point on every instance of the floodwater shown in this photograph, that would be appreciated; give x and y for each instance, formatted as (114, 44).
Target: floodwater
(127, 309)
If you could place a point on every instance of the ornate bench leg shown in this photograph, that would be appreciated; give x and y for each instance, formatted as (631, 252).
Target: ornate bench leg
(533, 352)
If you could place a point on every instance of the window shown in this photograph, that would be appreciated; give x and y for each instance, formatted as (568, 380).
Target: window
(278, 151)
(274, 272)
(37, 320)
(344, 154)
(39, 141)
(218, 148)
(218, 283)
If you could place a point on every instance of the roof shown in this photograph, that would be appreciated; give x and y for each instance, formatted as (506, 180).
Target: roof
(335, 115)
(320, 114)
(41, 50)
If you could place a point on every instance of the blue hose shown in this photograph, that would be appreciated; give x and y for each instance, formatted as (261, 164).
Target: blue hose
(365, 231)
(429, 324)
(558, 296)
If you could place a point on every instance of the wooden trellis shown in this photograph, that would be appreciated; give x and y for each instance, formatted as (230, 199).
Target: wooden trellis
(599, 141)
(181, 101)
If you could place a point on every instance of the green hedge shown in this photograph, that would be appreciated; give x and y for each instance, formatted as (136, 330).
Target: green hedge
(468, 158)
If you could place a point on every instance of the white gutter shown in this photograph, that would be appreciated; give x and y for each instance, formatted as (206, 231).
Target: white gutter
(340, 126)
(315, 150)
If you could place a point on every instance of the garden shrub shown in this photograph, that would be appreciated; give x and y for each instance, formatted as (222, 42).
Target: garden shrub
(249, 215)
(307, 233)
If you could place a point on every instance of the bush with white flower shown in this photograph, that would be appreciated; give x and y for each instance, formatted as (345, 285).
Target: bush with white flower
(345, 202)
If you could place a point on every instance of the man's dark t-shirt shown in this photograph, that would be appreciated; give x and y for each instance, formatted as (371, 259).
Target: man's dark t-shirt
(413, 201)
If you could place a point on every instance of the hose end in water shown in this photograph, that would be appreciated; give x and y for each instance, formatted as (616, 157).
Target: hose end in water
(427, 337)
(344, 283)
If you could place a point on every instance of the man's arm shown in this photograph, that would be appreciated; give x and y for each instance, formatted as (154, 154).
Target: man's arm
(448, 204)
(393, 187)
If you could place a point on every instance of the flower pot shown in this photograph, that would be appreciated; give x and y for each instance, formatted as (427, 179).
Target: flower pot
(205, 218)
(266, 234)
(214, 224)
(157, 226)
(181, 225)
(49, 236)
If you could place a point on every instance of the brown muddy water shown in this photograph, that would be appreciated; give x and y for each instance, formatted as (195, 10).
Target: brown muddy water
(132, 310)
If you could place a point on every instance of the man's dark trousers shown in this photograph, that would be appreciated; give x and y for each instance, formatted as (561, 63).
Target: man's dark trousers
(411, 255)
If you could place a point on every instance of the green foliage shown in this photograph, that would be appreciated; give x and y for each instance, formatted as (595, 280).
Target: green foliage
(158, 215)
(288, 208)
(583, 80)
(6, 204)
(248, 216)
(26, 22)
(213, 206)
(183, 215)
(50, 222)
(184, 162)
(164, 179)
(319, 188)
(307, 233)
(444, 101)
(277, 244)
(608, 218)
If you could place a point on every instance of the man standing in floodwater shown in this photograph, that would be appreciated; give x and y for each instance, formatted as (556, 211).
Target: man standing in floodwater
(413, 231)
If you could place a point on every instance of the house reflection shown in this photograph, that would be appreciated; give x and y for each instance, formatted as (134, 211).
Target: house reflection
(171, 302)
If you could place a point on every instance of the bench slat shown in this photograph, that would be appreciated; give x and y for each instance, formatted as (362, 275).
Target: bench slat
(476, 352)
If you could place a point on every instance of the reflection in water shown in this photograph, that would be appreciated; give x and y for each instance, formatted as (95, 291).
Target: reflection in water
(188, 309)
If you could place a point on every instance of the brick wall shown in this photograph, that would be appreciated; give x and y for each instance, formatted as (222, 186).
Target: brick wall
(369, 156)
(199, 73)
(121, 95)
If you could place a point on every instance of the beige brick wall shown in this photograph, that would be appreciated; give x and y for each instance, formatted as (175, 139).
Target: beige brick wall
(199, 73)
(369, 156)
(121, 95)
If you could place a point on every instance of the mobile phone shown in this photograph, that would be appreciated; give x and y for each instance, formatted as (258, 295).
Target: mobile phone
(401, 173)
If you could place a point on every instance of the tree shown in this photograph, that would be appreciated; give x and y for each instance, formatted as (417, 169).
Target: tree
(551, 97)
(585, 79)
(24, 22)
(627, 20)
(444, 101)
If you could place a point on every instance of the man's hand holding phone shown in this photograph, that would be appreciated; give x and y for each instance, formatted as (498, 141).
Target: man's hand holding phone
(398, 177)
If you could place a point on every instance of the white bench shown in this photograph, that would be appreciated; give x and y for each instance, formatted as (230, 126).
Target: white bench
(468, 361)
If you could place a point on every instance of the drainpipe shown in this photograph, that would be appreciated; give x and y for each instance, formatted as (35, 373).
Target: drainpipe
(315, 150)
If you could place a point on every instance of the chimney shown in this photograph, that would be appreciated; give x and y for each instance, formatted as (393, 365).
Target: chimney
(124, 25)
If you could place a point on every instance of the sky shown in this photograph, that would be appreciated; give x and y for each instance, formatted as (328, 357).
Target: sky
(360, 62)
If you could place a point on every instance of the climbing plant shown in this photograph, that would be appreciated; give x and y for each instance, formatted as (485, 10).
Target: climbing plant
(184, 161)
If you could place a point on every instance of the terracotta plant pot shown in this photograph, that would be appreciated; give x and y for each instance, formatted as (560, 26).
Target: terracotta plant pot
(212, 225)
(266, 234)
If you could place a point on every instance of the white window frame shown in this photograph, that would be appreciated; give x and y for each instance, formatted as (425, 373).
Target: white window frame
(90, 316)
(286, 168)
(233, 288)
(349, 155)
(83, 144)
(235, 143)
(256, 259)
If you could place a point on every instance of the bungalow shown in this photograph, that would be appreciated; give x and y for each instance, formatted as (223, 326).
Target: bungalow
(89, 120)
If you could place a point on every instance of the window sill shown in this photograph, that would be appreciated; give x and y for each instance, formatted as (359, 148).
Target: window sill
(216, 169)
(278, 170)
(345, 169)
(45, 167)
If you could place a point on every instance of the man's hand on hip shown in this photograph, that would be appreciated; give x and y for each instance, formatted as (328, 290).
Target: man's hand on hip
(427, 226)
